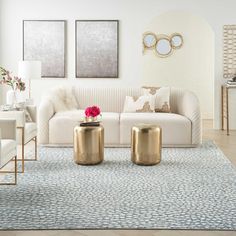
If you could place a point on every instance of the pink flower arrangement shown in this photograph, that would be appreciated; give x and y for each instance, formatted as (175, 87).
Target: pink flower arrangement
(92, 111)
(14, 82)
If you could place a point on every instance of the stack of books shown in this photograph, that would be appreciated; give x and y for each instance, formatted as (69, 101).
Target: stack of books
(231, 83)
(92, 123)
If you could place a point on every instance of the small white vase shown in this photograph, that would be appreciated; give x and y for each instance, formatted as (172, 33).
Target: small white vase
(90, 119)
(14, 97)
(11, 97)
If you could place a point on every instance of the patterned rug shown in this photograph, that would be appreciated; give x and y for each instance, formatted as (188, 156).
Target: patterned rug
(192, 188)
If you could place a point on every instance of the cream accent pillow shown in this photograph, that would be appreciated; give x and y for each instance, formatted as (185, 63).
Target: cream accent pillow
(20, 106)
(63, 98)
(28, 117)
(141, 104)
(162, 97)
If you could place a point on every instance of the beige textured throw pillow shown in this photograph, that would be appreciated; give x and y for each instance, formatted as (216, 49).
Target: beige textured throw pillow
(28, 117)
(143, 103)
(63, 98)
(162, 97)
(22, 107)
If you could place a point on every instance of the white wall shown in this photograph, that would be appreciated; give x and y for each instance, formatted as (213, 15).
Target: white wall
(134, 16)
(190, 67)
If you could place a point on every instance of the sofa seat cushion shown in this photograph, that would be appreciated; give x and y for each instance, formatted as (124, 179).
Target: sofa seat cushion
(176, 129)
(111, 124)
(62, 124)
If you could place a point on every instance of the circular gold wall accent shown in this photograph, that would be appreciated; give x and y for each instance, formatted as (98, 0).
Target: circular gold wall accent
(149, 40)
(163, 46)
(176, 40)
(162, 43)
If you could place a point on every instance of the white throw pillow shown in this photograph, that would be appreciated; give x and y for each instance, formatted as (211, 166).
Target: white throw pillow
(141, 104)
(63, 98)
(162, 97)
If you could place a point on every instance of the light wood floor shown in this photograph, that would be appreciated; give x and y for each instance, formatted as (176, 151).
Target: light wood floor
(227, 145)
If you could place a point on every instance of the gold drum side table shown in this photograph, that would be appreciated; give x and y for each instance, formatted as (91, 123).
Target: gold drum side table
(146, 142)
(88, 145)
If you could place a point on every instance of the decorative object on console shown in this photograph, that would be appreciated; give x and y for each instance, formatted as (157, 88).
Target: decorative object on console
(162, 97)
(234, 79)
(21, 106)
(97, 48)
(44, 40)
(18, 107)
(6, 107)
(162, 44)
(143, 103)
(29, 70)
(229, 51)
(15, 83)
(231, 82)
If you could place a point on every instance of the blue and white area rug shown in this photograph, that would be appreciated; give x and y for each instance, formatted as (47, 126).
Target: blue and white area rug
(193, 188)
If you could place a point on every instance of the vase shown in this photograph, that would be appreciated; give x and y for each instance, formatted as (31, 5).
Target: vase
(11, 97)
(14, 97)
(90, 119)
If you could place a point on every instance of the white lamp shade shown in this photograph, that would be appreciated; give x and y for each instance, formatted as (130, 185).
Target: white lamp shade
(29, 70)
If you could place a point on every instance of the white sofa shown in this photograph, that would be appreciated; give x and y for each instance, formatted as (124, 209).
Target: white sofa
(180, 128)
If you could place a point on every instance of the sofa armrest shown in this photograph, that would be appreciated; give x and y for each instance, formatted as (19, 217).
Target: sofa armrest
(189, 107)
(45, 113)
(33, 112)
(8, 129)
(19, 116)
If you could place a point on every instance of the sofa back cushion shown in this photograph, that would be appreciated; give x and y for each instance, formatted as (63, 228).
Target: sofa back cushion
(145, 103)
(112, 99)
(108, 99)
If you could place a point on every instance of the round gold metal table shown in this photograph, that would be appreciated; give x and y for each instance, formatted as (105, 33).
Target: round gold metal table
(146, 141)
(88, 145)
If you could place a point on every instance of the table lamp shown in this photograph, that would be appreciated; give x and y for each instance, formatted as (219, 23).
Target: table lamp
(29, 70)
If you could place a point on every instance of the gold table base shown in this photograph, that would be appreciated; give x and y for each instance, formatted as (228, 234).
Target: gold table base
(225, 106)
(146, 141)
(88, 145)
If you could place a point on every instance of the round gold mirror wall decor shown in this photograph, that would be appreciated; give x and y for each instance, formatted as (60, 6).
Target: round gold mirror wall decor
(176, 41)
(149, 40)
(163, 46)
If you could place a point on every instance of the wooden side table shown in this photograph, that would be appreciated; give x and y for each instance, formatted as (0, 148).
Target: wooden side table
(225, 105)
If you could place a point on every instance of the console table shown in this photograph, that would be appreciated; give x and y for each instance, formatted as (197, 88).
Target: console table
(225, 105)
